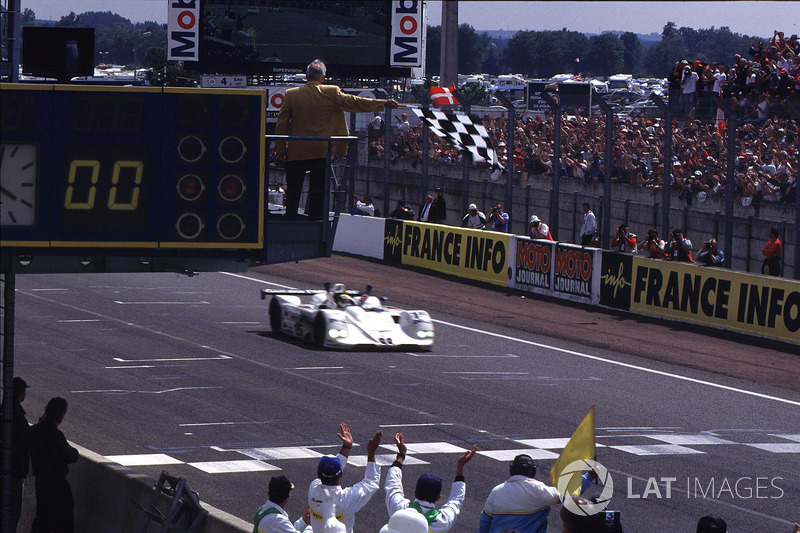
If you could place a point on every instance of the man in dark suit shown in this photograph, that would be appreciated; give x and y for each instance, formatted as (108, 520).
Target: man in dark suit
(315, 110)
(438, 208)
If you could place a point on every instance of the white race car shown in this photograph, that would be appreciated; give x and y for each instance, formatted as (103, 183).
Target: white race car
(339, 318)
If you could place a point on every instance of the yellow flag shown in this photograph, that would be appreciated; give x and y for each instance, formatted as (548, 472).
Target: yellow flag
(581, 446)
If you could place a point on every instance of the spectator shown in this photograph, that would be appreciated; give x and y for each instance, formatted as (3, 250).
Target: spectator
(679, 248)
(346, 501)
(406, 521)
(498, 220)
(272, 517)
(402, 123)
(428, 491)
(425, 209)
(538, 229)
(438, 213)
(474, 219)
(365, 208)
(773, 253)
(711, 524)
(653, 245)
(689, 80)
(710, 254)
(522, 502)
(376, 125)
(20, 453)
(402, 212)
(589, 226)
(624, 240)
(50, 456)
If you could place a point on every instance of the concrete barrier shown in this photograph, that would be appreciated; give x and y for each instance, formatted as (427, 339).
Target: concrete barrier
(104, 500)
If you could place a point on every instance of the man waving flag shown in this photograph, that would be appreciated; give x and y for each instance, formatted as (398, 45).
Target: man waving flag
(465, 132)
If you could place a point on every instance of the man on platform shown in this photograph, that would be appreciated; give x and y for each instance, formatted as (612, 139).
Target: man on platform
(315, 110)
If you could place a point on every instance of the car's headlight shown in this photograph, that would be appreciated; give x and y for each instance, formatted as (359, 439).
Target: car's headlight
(422, 334)
(334, 333)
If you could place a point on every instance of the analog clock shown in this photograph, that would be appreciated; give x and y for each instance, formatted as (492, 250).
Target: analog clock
(19, 180)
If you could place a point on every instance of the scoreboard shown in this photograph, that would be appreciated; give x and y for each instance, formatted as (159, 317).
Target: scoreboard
(136, 170)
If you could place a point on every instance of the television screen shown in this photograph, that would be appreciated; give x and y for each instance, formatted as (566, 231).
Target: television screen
(284, 36)
(60, 53)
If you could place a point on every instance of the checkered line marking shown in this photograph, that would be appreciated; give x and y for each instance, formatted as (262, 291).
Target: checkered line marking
(262, 459)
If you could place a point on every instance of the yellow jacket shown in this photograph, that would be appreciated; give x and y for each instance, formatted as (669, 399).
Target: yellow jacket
(317, 110)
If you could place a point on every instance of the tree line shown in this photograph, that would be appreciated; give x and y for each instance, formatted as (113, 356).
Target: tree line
(542, 54)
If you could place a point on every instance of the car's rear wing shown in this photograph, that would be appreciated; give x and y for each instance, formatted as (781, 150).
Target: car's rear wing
(303, 292)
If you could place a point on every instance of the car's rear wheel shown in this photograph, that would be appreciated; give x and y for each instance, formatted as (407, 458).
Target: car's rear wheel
(275, 315)
(319, 330)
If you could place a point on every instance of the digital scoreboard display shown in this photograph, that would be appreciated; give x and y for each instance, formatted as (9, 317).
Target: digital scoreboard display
(140, 168)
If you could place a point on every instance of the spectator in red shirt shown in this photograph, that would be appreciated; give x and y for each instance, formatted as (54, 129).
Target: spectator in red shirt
(772, 255)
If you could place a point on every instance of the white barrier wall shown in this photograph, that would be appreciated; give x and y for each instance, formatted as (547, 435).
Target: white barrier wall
(360, 236)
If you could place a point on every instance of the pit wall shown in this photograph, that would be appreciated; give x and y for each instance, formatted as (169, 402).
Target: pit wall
(105, 493)
(753, 304)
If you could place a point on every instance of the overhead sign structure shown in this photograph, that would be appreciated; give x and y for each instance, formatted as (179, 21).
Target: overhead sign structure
(183, 28)
(406, 41)
(143, 169)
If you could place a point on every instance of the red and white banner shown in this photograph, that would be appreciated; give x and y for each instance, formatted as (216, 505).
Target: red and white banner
(443, 95)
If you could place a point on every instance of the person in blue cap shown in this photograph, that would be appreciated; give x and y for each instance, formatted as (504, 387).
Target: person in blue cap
(427, 492)
(348, 500)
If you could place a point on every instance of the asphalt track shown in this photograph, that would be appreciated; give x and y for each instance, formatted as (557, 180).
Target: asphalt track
(165, 372)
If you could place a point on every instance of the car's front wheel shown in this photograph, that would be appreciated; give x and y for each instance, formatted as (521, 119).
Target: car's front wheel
(319, 330)
(275, 315)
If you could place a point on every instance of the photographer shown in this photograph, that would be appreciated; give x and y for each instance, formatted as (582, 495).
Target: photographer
(473, 219)
(653, 245)
(497, 221)
(679, 247)
(538, 229)
(624, 240)
(710, 255)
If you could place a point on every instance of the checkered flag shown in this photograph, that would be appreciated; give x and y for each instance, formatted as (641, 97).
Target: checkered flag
(465, 132)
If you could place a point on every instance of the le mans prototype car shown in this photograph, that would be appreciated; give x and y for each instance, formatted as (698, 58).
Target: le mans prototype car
(339, 318)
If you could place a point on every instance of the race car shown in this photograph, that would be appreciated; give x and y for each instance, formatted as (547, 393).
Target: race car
(338, 318)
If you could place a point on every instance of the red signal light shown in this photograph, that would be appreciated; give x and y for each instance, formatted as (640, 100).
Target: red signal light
(190, 187)
(231, 188)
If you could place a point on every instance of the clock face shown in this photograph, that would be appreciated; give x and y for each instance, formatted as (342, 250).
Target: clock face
(19, 180)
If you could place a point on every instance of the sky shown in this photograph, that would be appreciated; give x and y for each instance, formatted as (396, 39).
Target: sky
(757, 18)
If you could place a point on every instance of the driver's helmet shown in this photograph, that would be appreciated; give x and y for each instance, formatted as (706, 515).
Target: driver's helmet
(344, 300)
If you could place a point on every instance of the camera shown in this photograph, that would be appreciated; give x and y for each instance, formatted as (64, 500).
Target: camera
(609, 522)
(707, 245)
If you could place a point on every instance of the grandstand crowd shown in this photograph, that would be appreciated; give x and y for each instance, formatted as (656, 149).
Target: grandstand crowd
(759, 92)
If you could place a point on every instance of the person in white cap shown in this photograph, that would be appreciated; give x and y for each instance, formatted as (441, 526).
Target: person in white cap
(474, 219)
(406, 521)
(346, 501)
(538, 229)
